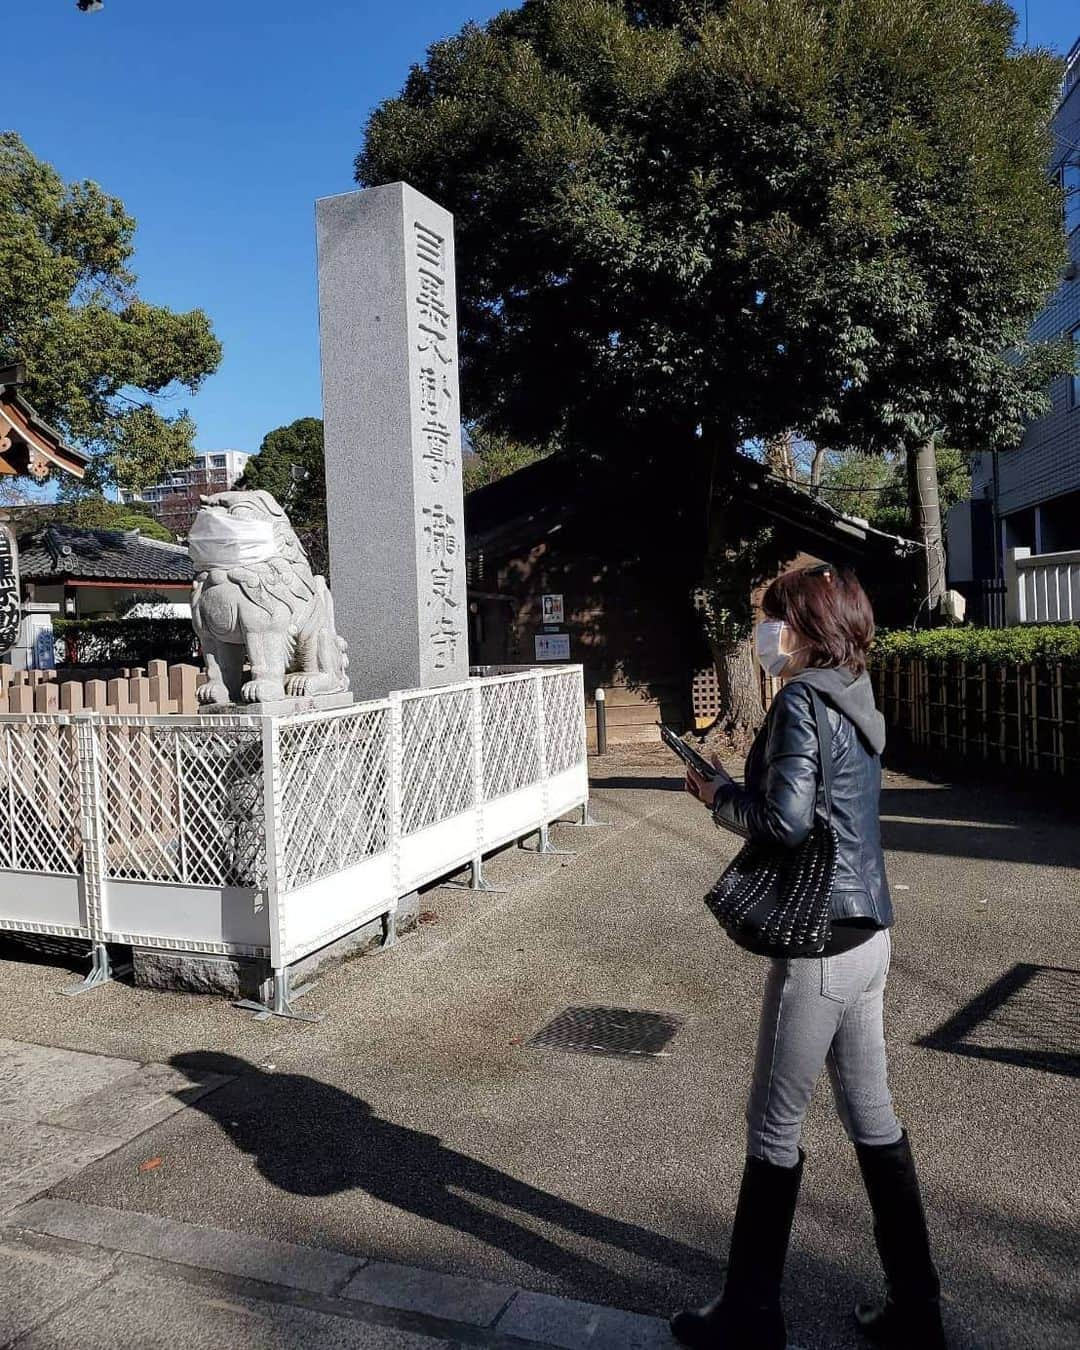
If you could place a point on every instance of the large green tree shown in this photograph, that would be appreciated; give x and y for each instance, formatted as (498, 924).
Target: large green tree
(97, 354)
(876, 486)
(290, 466)
(683, 225)
(494, 456)
(88, 512)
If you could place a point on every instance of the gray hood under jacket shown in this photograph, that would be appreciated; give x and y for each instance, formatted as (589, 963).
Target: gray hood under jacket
(853, 695)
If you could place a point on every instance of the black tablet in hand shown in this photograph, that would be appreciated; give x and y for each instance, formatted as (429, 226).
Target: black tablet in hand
(687, 753)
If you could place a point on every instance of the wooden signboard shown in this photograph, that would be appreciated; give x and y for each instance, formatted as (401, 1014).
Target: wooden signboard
(9, 591)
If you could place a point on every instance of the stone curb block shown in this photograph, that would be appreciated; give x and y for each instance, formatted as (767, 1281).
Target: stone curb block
(574, 1326)
(307, 1268)
(453, 1297)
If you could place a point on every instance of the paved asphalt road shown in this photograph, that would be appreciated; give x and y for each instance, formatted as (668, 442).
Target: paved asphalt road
(417, 1124)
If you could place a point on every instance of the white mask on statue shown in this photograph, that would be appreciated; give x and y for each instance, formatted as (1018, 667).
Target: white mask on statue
(767, 647)
(217, 539)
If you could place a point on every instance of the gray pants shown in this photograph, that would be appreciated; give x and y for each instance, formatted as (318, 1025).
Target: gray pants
(818, 1011)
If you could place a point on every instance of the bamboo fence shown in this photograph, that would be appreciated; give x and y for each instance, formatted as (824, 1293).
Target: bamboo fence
(1026, 715)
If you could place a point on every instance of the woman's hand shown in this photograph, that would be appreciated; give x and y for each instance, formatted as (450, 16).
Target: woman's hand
(705, 789)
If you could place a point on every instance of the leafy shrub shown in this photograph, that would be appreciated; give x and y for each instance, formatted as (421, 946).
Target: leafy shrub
(123, 642)
(997, 646)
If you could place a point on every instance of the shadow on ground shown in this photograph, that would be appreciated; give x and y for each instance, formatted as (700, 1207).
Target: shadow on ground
(345, 1146)
(1030, 1018)
(312, 1139)
(962, 821)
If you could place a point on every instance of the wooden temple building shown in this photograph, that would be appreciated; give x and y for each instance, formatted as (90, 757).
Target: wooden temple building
(29, 447)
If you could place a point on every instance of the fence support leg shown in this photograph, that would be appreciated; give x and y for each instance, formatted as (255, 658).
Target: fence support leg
(544, 846)
(476, 881)
(283, 1001)
(101, 971)
(587, 822)
(389, 926)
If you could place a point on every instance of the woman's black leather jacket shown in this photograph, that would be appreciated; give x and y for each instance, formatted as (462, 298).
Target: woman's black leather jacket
(783, 787)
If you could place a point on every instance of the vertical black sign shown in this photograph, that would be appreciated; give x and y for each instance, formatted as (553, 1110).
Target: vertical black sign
(9, 591)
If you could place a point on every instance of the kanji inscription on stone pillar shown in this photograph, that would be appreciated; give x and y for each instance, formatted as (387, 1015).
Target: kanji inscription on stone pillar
(392, 414)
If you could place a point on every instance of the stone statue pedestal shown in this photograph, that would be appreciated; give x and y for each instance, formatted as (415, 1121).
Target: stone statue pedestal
(280, 707)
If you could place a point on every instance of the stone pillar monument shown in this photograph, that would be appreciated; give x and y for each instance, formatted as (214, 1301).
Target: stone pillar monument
(392, 414)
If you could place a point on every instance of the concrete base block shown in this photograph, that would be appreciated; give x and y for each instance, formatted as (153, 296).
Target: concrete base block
(200, 973)
(250, 977)
(281, 707)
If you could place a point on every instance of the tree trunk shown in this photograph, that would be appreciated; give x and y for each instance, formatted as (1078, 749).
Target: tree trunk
(741, 711)
(926, 519)
(780, 457)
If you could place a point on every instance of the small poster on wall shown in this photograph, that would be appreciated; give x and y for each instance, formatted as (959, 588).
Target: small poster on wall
(552, 646)
(552, 609)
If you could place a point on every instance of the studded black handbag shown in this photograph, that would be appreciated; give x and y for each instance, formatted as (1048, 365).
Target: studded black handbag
(773, 900)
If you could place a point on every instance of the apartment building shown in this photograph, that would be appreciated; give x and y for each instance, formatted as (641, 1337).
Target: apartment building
(175, 501)
(1031, 497)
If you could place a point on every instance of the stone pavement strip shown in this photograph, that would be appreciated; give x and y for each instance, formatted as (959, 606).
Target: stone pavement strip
(62, 1109)
(85, 1275)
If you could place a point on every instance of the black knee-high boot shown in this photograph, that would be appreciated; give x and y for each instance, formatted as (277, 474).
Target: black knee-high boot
(910, 1313)
(748, 1314)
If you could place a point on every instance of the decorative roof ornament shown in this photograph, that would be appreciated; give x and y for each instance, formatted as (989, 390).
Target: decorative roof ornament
(29, 447)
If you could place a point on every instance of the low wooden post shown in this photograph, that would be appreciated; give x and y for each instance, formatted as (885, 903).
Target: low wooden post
(21, 698)
(96, 696)
(963, 707)
(118, 695)
(1002, 739)
(984, 707)
(71, 697)
(1059, 718)
(183, 681)
(47, 698)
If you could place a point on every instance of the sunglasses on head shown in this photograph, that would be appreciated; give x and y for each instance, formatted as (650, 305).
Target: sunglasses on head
(819, 570)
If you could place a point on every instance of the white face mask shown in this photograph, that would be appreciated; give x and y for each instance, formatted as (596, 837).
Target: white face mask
(218, 539)
(767, 647)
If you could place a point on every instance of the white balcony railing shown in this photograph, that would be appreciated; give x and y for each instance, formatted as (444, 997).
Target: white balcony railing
(1044, 588)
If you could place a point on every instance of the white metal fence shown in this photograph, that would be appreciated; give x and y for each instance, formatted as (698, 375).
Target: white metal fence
(273, 837)
(1044, 588)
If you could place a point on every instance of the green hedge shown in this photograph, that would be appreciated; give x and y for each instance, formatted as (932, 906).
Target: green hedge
(125, 642)
(1000, 646)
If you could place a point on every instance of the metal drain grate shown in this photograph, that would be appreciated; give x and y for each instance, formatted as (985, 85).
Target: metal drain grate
(609, 1031)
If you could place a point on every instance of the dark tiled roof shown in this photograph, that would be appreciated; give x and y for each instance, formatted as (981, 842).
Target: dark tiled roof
(527, 504)
(60, 551)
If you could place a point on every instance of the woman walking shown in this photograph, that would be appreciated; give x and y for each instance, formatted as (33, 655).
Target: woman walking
(823, 1011)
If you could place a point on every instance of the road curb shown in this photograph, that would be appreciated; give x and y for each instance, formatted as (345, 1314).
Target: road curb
(519, 1315)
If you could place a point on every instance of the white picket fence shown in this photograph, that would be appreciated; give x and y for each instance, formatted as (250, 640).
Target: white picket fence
(272, 837)
(1044, 588)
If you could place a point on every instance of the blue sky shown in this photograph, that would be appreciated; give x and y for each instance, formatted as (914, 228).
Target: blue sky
(219, 122)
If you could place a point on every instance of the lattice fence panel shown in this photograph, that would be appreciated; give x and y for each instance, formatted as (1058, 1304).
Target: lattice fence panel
(510, 737)
(564, 726)
(334, 779)
(437, 759)
(39, 798)
(183, 804)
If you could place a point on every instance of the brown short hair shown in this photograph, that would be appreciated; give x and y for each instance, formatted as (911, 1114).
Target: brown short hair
(830, 609)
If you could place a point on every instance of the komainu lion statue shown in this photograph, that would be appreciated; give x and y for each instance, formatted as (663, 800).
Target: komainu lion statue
(255, 597)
